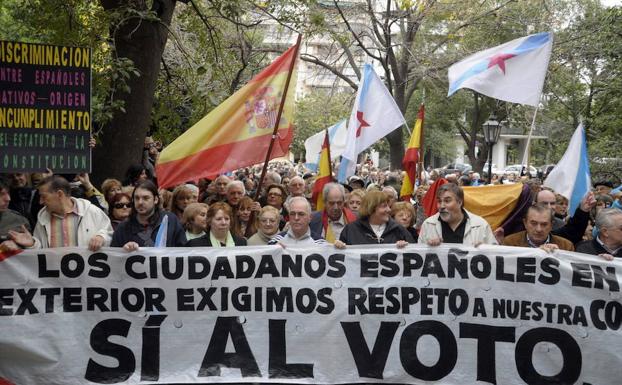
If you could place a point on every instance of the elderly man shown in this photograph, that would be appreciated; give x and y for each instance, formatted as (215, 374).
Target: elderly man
(296, 188)
(608, 242)
(538, 223)
(454, 224)
(329, 222)
(235, 191)
(574, 229)
(603, 187)
(66, 221)
(220, 190)
(299, 233)
(391, 193)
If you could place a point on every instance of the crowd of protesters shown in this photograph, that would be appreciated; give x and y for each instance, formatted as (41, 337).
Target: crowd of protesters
(42, 210)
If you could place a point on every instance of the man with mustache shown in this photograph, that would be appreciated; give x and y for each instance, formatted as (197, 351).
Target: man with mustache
(452, 223)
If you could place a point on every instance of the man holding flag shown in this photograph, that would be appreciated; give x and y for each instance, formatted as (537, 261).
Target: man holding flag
(375, 114)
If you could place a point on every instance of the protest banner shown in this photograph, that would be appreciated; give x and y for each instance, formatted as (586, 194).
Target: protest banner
(309, 315)
(45, 108)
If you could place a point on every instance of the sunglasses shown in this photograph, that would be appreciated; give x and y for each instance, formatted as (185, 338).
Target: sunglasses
(122, 205)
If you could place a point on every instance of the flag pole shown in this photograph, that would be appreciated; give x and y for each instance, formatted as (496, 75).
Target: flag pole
(525, 160)
(278, 118)
(330, 162)
(421, 143)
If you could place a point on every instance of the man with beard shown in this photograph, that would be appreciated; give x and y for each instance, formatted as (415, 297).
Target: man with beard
(142, 227)
(454, 224)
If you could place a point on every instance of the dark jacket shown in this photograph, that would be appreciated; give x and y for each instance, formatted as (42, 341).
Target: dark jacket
(316, 224)
(128, 230)
(205, 241)
(359, 232)
(593, 247)
(575, 228)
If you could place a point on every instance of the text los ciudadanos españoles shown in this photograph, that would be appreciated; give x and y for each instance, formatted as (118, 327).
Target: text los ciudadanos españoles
(457, 265)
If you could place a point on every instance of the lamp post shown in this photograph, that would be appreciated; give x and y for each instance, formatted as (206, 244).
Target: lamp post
(492, 129)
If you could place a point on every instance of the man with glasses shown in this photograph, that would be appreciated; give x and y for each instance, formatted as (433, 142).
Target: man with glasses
(608, 242)
(299, 233)
(330, 222)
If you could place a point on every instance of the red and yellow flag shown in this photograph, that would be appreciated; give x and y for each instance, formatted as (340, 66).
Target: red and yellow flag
(411, 157)
(237, 133)
(324, 176)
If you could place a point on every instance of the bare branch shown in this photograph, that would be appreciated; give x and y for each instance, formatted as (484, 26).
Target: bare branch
(312, 59)
(355, 36)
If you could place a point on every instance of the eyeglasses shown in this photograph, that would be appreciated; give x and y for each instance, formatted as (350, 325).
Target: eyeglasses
(122, 205)
(273, 194)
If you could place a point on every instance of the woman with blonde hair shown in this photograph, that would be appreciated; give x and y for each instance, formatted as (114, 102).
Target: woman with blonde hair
(183, 195)
(355, 198)
(267, 226)
(195, 220)
(404, 214)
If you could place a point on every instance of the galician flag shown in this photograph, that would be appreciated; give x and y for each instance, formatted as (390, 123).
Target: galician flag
(325, 174)
(237, 133)
(513, 71)
(313, 145)
(374, 115)
(571, 175)
(411, 157)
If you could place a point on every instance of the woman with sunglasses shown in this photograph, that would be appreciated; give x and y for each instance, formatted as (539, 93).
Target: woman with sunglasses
(120, 208)
(275, 197)
(375, 225)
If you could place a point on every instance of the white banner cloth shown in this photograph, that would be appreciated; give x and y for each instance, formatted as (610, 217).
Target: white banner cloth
(310, 315)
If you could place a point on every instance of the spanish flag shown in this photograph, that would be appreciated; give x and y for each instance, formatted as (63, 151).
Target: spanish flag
(411, 158)
(238, 132)
(324, 176)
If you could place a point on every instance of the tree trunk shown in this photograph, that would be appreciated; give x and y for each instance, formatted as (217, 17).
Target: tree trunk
(396, 148)
(141, 41)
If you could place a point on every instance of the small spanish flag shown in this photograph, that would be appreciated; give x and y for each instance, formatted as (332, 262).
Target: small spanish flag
(238, 132)
(411, 158)
(324, 176)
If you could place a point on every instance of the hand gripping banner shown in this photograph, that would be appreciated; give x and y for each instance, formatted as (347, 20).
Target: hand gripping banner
(318, 315)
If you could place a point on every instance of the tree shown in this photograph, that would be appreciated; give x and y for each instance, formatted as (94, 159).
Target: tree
(316, 112)
(138, 33)
(406, 39)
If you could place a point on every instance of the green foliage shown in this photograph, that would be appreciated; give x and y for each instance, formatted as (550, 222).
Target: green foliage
(316, 112)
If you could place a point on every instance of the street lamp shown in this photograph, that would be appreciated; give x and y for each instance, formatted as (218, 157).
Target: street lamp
(492, 129)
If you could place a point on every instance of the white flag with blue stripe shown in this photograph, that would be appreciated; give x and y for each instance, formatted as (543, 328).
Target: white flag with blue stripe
(313, 144)
(571, 176)
(513, 71)
(162, 234)
(374, 115)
